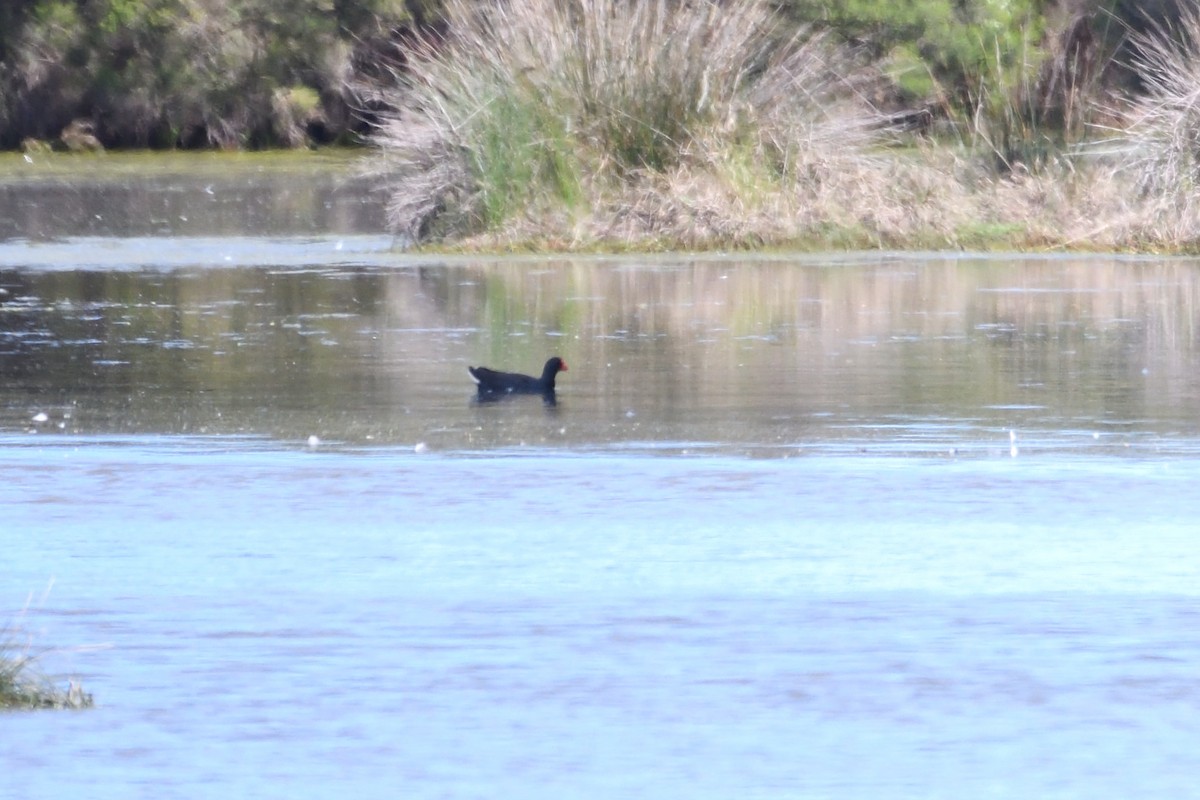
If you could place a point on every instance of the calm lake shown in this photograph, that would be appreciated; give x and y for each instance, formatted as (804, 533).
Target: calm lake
(825, 526)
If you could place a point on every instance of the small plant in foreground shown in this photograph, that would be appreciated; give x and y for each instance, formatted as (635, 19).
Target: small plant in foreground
(23, 686)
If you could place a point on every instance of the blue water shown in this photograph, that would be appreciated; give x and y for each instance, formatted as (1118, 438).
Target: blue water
(878, 527)
(263, 619)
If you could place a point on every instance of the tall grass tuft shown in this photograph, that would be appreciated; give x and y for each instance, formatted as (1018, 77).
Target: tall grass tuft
(1163, 136)
(536, 107)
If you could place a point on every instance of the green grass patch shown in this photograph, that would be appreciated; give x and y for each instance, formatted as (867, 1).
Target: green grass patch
(990, 235)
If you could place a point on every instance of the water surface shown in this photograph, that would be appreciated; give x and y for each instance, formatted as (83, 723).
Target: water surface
(350, 342)
(852, 526)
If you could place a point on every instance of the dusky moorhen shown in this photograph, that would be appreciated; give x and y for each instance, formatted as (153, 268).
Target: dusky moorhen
(493, 383)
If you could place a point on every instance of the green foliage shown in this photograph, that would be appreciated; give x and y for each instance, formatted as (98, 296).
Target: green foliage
(184, 72)
(977, 60)
(120, 15)
(225, 72)
(956, 40)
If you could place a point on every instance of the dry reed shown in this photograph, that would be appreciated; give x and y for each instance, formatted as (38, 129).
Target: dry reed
(1163, 136)
(563, 109)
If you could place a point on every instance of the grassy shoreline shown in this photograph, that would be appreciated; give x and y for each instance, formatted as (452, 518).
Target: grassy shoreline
(1026, 213)
(587, 125)
(1066, 213)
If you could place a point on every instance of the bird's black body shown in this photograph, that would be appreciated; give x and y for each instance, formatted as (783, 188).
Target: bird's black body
(494, 385)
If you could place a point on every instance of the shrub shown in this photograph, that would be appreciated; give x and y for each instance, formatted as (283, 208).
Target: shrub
(955, 41)
(536, 104)
(168, 73)
(1016, 81)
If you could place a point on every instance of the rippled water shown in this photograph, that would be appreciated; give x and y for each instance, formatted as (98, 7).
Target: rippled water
(852, 526)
